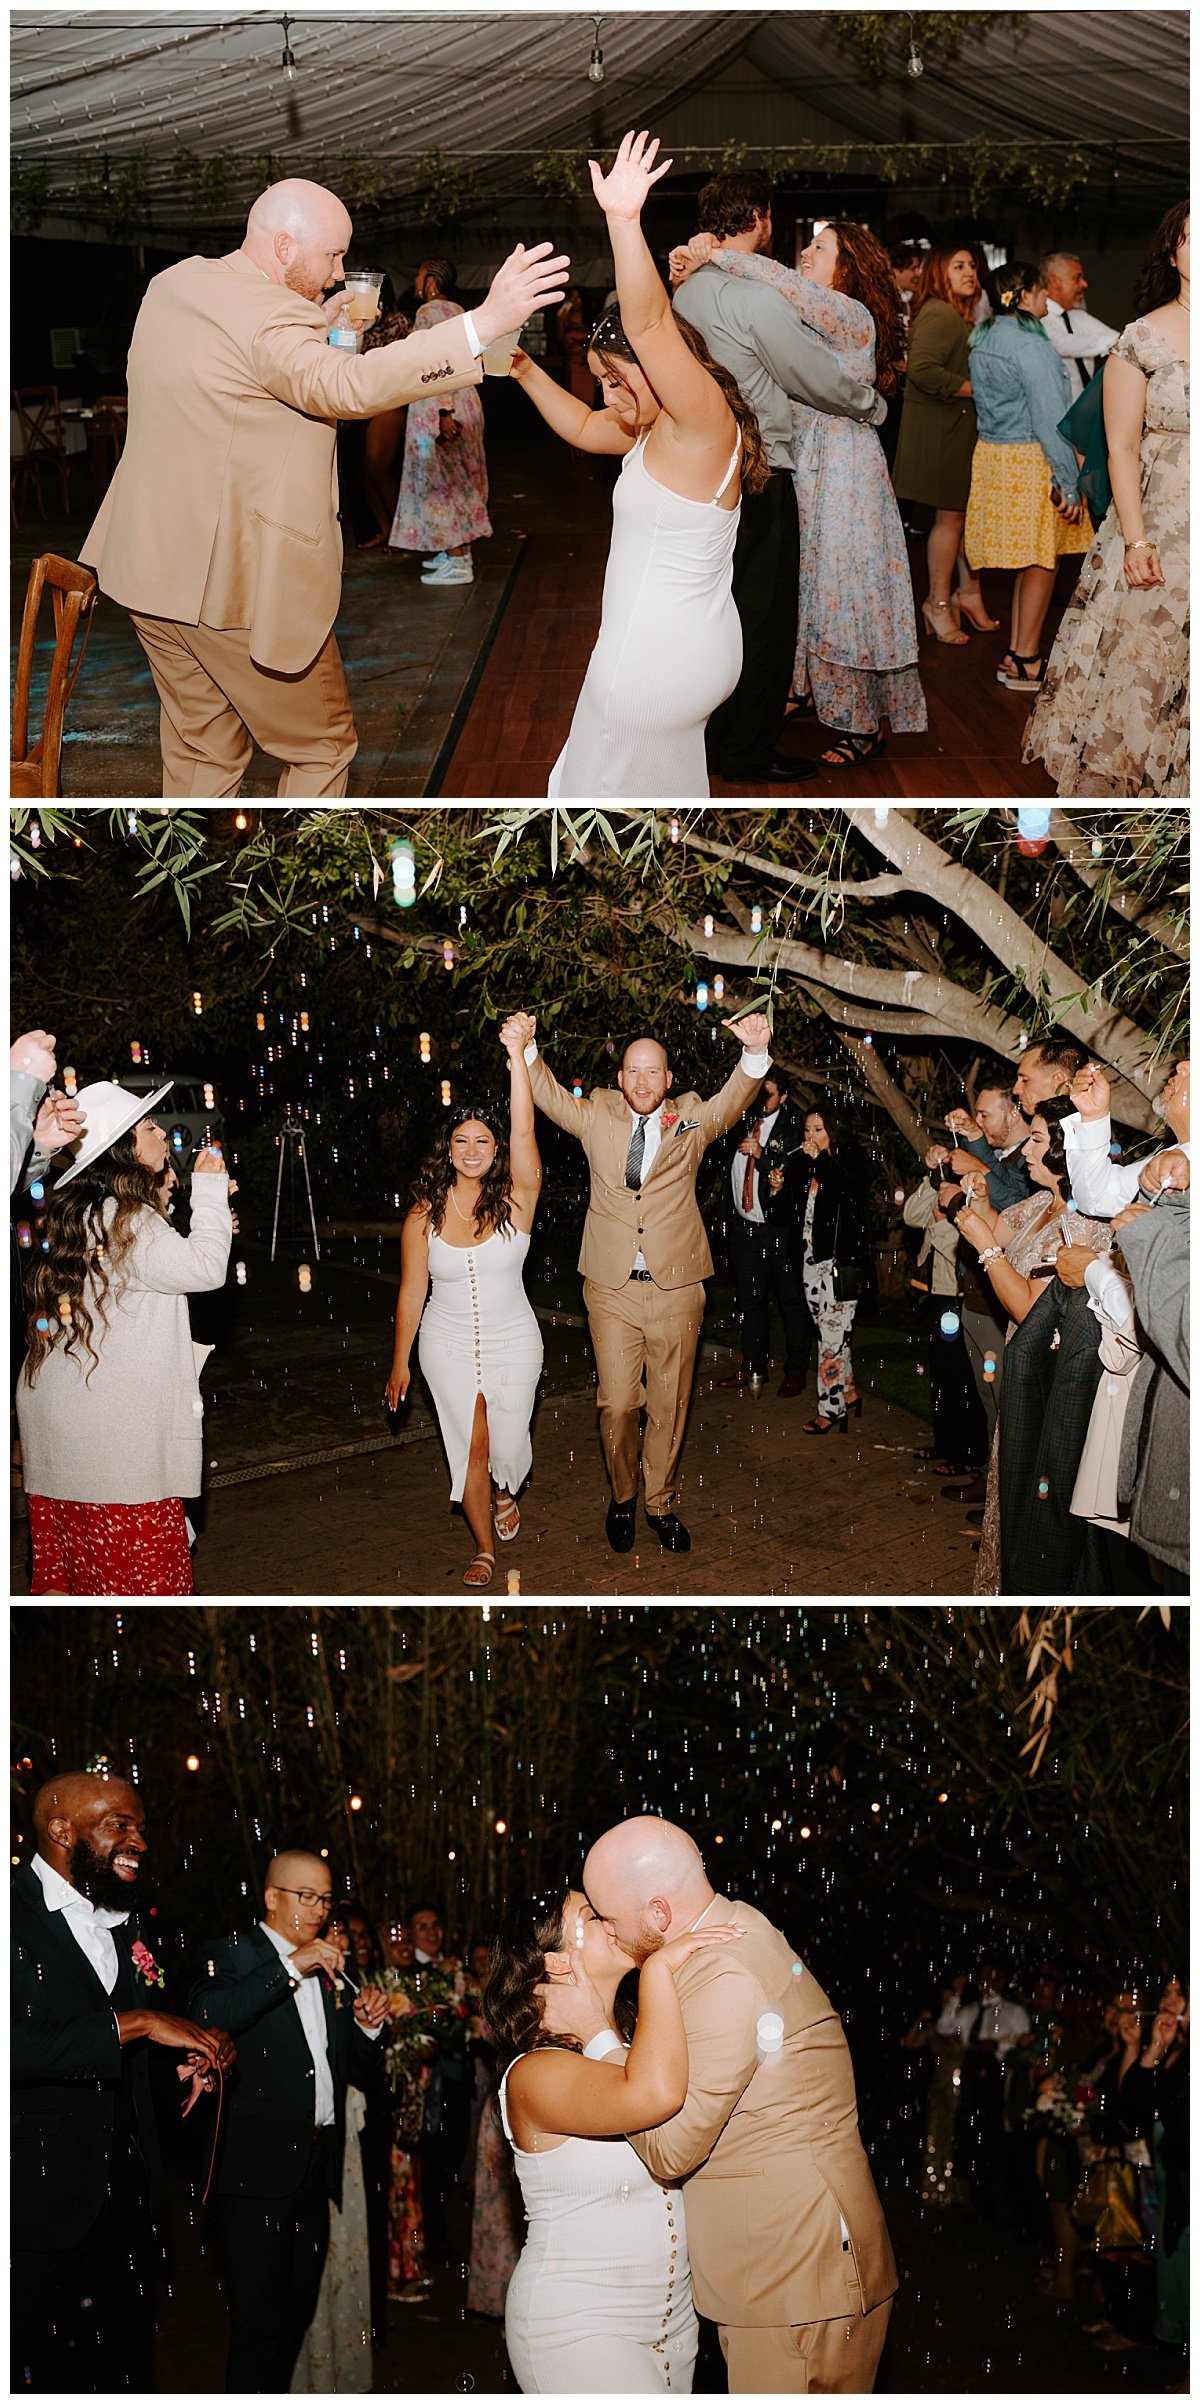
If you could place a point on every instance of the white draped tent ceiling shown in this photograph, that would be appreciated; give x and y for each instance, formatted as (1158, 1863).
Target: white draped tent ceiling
(97, 97)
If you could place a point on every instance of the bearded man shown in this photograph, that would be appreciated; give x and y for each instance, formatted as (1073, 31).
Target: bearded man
(85, 2158)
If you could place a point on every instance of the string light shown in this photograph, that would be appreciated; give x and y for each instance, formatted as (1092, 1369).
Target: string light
(288, 62)
(426, 1046)
(445, 1093)
(304, 1277)
(135, 1054)
(708, 923)
(596, 61)
(198, 1004)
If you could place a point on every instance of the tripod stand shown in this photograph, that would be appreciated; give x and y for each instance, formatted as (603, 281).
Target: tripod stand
(291, 1144)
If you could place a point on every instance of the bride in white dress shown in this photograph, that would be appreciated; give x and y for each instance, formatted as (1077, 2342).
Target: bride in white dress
(480, 1349)
(601, 2299)
(669, 649)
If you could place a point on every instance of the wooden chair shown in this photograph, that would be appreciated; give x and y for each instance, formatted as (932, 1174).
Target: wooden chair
(34, 775)
(40, 435)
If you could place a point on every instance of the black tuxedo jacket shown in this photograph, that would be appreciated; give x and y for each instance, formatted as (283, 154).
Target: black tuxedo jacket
(269, 2110)
(66, 2071)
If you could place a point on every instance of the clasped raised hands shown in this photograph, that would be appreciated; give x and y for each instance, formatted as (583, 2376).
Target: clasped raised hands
(622, 192)
(518, 1031)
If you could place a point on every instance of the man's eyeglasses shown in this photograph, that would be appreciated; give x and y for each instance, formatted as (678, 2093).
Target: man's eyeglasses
(305, 1894)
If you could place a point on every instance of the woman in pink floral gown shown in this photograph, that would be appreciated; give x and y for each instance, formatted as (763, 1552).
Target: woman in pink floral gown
(856, 632)
(442, 507)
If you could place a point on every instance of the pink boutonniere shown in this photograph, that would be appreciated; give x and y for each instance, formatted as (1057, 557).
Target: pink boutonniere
(146, 1966)
(667, 1120)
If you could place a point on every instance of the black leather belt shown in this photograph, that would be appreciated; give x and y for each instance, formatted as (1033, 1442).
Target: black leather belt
(643, 1276)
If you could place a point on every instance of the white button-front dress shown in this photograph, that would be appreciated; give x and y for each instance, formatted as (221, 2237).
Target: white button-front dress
(601, 2299)
(478, 1336)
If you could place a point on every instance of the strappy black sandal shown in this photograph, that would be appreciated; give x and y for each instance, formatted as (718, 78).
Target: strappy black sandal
(799, 705)
(850, 751)
(1022, 661)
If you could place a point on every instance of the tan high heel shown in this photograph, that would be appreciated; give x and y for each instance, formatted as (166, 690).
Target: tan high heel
(983, 625)
(949, 630)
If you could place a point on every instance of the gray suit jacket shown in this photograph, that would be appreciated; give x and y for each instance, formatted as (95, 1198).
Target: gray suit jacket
(754, 332)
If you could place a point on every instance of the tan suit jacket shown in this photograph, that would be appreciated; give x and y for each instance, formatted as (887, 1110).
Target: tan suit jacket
(223, 510)
(767, 2144)
(662, 1219)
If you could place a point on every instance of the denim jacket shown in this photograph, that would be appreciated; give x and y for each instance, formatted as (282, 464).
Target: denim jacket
(1021, 390)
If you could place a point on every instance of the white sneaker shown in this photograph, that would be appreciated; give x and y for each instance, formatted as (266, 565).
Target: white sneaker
(449, 571)
(435, 559)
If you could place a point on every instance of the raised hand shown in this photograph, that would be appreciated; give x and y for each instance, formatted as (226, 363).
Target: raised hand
(754, 1032)
(58, 1122)
(209, 1162)
(528, 281)
(33, 1054)
(624, 190)
(1091, 1093)
(518, 1030)
(961, 1123)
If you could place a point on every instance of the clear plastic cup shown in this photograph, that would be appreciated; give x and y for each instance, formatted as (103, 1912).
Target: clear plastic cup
(362, 297)
(498, 357)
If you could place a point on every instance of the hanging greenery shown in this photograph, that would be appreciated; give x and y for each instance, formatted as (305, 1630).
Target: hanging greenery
(443, 188)
(559, 174)
(879, 36)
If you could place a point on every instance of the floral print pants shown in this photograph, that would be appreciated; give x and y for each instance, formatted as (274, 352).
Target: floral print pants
(833, 1321)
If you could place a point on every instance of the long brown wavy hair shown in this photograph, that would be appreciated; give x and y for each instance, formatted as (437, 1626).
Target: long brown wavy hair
(433, 1180)
(1159, 280)
(511, 2002)
(611, 343)
(86, 1259)
(933, 284)
(864, 271)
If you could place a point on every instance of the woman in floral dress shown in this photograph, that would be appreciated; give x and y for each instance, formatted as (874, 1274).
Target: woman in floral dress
(856, 631)
(1112, 721)
(442, 507)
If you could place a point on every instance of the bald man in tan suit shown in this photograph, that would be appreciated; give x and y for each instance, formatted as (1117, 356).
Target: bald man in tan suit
(645, 1255)
(219, 532)
(789, 2251)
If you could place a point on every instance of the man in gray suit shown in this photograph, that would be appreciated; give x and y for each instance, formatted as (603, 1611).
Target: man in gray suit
(752, 331)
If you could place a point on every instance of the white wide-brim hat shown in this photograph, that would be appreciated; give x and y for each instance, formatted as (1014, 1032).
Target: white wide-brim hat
(108, 1111)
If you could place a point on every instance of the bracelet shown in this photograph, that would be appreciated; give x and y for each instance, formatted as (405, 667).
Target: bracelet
(993, 1252)
(1142, 546)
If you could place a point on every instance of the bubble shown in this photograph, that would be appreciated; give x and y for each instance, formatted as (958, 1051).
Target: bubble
(702, 995)
(989, 1366)
(1043, 1487)
(756, 920)
(769, 2033)
(949, 1323)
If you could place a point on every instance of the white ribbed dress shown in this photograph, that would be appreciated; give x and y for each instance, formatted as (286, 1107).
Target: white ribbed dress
(669, 650)
(600, 2302)
(479, 1336)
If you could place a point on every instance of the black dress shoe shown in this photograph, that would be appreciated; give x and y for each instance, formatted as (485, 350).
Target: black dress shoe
(620, 1526)
(791, 1384)
(670, 1531)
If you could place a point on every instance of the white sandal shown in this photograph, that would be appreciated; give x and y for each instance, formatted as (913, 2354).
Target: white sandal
(484, 1561)
(511, 1526)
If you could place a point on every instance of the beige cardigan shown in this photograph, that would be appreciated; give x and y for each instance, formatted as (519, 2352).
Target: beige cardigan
(132, 1432)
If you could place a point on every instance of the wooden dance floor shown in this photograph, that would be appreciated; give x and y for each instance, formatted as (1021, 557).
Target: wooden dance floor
(468, 693)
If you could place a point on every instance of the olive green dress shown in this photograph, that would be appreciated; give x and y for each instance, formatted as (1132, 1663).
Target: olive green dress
(937, 430)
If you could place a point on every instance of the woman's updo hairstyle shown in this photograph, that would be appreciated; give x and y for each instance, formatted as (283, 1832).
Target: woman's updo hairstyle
(527, 1933)
(1012, 282)
(1054, 1111)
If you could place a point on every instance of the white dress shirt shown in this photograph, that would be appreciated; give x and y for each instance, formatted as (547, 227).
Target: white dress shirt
(1101, 1185)
(757, 1215)
(310, 2003)
(1086, 338)
(1006, 2022)
(91, 1924)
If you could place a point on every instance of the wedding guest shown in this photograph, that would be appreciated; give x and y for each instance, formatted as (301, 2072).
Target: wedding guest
(1046, 1070)
(856, 639)
(1101, 1184)
(996, 1135)
(761, 1225)
(1112, 721)
(281, 2139)
(1081, 340)
(905, 259)
(219, 530)
(937, 436)
(573, 336)
(442, 507)
(668, 649)
(497, 2218)
(335, 2356)
(38, 1121)
(375, 2137)
(828, 1173)
(959, 1432)
(448, 2090)
(480, 1347)
(409, 2064)
(938, 2033)
(383, 435)
(645, 1255)
(1154, 2105)
(775, 361)
(1025, 509)
(86, 2169)
(992, 2028)
(108, 1401)
(1155, 1470)
(1017, 1250)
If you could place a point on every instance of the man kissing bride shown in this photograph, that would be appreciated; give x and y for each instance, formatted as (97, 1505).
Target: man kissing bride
(715, 2145)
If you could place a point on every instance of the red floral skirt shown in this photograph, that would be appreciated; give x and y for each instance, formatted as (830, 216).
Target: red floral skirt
(109, 1548)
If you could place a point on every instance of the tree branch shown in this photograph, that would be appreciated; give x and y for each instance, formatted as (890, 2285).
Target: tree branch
(886, 1091)
(877, 888)
(1157, 923)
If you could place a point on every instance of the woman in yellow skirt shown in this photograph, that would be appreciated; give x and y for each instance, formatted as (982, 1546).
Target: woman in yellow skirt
(1025, 507)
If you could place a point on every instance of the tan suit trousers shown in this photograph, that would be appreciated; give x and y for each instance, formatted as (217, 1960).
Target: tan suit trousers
(634, 1327)
(213, 699)
(817, 2358)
